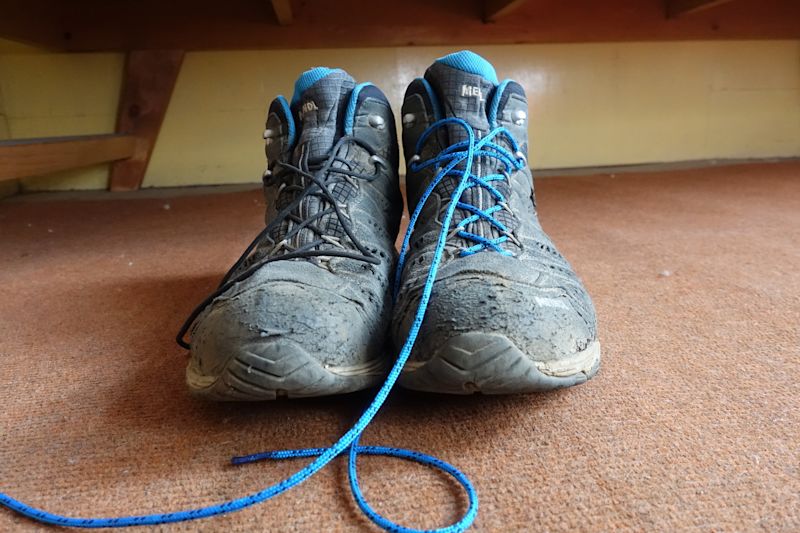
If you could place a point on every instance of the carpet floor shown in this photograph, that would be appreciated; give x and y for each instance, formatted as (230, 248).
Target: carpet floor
(692, 424)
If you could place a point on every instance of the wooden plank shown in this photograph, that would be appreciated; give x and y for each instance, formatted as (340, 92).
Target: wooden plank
(21, 158)
(676, 8)
(283, 11)
(102, 25)
(150, 77)
(494, 9)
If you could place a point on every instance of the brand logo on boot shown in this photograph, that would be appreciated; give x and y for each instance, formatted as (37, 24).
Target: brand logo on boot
(308, 107)
(471, 90)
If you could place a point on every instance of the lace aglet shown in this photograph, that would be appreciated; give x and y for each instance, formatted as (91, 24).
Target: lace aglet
(253, 458)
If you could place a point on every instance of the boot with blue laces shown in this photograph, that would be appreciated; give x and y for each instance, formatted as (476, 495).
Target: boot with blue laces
(305, 310)
(507, 313)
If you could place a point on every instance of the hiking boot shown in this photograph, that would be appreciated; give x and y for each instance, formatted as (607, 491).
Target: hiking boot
(507, 313)
(305, 311)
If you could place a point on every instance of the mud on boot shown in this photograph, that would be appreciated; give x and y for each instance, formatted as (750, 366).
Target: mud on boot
(305, 310)
(507, 313)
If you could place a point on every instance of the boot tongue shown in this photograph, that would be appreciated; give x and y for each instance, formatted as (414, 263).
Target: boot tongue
(320, 100)
(463, 82)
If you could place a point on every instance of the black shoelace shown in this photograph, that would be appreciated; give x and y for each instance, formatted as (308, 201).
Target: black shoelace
(320, 179)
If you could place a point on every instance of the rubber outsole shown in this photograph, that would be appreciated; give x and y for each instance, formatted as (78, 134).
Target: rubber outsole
(280, 370)
(489, 363)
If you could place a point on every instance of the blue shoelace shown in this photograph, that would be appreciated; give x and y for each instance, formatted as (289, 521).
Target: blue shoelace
(459, 154)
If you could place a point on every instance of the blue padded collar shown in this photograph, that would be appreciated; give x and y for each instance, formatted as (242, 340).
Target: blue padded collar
(471, 62)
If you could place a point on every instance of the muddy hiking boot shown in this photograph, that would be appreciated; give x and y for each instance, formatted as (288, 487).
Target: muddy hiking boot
(305, 311)
(507, 313)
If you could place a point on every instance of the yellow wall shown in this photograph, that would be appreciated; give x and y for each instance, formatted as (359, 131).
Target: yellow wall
(591, 104)
(48, 95)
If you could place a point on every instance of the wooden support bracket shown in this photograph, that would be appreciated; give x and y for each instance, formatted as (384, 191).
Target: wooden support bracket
(21, 158)
(494, 9)
(150, 77)
(676, 8)
(283, 11)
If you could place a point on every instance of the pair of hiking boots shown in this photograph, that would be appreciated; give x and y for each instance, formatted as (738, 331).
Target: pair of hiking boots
(315, 303)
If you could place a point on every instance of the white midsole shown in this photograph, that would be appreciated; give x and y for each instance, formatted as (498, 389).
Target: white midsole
(198, 380)
(582, 361)
(375, 366)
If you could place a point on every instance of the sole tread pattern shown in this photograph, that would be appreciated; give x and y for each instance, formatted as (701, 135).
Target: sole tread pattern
(284, 370)
(490, 363)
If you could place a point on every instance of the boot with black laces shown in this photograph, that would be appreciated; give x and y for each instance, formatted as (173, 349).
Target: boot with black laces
(305, 310)
(507, 313)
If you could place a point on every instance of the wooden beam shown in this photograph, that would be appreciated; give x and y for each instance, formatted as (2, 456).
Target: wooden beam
(676, 8)
(283, 11)
(150, 77)
(103, 25)
(21, 158)
(494, 9)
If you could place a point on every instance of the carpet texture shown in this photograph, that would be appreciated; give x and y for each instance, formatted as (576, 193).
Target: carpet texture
(692, 424)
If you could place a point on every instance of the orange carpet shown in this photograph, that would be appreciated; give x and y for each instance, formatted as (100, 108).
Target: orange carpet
(692, 424)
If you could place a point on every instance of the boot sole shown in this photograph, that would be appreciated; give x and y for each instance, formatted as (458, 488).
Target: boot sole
(489, 363)
(281, 370)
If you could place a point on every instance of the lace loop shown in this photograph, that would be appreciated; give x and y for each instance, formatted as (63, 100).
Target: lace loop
(459, 154)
